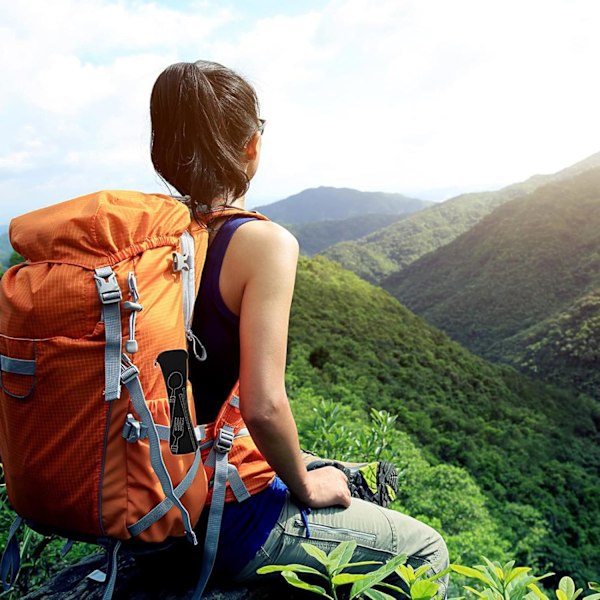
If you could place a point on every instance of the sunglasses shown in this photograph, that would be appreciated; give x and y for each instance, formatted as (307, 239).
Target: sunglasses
(261, 125)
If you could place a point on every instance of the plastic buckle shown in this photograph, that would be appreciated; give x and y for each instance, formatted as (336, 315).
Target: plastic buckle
(128, 371)
(224, 441)
(108, 289)
(181, 262)
(133, 430)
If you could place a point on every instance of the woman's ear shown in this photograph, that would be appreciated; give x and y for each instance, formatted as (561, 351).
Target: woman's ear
(252, 147)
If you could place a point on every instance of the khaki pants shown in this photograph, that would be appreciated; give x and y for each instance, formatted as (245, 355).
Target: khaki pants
(379, 532)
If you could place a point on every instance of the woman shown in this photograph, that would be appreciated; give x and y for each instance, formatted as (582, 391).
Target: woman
(206, 143)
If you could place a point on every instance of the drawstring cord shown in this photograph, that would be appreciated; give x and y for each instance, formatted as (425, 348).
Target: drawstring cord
(193, 338)
(304, 512)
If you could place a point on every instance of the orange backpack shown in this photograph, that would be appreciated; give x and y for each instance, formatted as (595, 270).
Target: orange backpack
(98, 434)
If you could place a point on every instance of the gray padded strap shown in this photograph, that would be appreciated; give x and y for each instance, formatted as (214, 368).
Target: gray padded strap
(240, 491)
(130, 378)
(164, 433)
(110, 296)
(215, 515)
(18, 366)
(160, 510)
(210, 459)
(111, 571)
(11, 557)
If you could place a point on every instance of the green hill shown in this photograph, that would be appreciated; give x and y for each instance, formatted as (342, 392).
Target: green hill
(316, 236)
(335, 204)
(389, 250)
(564, 349)
(529, 446)
(524, 264)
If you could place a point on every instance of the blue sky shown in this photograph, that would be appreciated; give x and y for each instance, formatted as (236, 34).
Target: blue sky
(422, 97)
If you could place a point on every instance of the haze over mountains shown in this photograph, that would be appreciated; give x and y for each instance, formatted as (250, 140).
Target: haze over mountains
(497, 287)
(389, 250)
(320, 217)
(507, 273)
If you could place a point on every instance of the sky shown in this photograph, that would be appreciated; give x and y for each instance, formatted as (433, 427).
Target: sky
(428, 98)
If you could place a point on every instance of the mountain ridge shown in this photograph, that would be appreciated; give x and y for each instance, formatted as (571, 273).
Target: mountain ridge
(326, 203)
(523, 264)
(384, 252)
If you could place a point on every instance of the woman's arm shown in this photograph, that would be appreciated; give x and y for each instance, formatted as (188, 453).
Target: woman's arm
(257, 282)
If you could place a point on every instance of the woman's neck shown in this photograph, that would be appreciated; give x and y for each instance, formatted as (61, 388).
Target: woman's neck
(238, 203)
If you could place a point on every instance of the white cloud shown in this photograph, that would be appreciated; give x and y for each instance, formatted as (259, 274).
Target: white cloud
(393, 95)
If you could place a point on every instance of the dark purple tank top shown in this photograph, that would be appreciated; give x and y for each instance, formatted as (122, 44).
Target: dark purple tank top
(219, 331)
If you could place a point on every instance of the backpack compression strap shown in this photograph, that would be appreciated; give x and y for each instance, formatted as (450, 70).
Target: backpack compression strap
(224, 473)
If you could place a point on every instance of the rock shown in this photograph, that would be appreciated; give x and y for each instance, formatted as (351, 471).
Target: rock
(158, 579)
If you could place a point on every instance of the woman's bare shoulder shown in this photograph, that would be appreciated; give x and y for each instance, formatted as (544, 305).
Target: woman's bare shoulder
(261, 237)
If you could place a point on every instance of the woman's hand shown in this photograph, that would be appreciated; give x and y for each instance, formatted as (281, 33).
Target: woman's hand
(327, 486)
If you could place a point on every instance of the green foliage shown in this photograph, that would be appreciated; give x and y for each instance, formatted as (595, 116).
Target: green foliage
(516, 583)
(15, 259)
(379, 255)
(494, 580)
(526, 263)
(336, 570)
(530, 450)
(565, 349)
(316, 236)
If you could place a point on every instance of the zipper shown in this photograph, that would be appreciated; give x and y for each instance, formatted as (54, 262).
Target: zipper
(348, 533)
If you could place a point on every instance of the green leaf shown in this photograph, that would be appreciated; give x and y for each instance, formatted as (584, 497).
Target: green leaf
(376, 576)
(316, 553)
(594, 585)
(344, 578)
(494, 569)
(293, 567)
(514, 573)
(508, 566)
(389, 586)
(341, 554)
(362, 563)
(542, 576)
(470, 572)
(561, 595)
(474, 591)
(295, 581)
(423, 590)
(440, 574)
(377, 595)
(536, 590)
(421, 570)
(407, 573)
(567, 585)
(592, 597)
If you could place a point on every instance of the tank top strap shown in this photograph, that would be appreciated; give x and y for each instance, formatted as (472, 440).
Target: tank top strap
(221, 241)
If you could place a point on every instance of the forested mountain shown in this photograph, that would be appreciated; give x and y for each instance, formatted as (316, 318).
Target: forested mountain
(501, 288)
(531, 448)
(316, 236)
(323, 216)
(564, 349)
(387, 251)
(334, 204)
